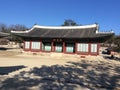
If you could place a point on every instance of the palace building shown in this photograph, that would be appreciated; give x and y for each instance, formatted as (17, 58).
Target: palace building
(81, 40)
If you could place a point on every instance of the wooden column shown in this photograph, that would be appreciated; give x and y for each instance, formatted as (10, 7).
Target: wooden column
(76, 47)
(98, 48)
(89, 48)
(52, 46)
(40, 45)
(64, 48)
(24, 45)
(30, 45)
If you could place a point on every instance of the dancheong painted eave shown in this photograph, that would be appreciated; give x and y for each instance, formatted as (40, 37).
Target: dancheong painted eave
(86, 31)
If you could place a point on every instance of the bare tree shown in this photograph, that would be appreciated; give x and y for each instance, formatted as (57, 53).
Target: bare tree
(3, 27)
(18, 27)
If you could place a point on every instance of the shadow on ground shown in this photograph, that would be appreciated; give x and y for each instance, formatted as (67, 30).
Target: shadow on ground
(112, 58)
(4, 48)
(84, 75)
(6, 70)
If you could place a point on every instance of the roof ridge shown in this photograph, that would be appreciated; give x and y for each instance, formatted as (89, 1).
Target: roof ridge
(65, 27)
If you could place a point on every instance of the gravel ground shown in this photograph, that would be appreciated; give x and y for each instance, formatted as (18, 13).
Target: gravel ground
(33, 72)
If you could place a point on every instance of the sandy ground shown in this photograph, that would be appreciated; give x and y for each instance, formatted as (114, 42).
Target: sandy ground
(34, 72)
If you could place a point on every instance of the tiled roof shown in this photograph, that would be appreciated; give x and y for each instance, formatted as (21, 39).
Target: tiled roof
(84, 32)
(4, 34)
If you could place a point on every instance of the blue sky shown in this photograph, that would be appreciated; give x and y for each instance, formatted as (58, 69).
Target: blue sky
(54, 12)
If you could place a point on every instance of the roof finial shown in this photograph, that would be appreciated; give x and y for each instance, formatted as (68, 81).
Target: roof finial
(97, 26)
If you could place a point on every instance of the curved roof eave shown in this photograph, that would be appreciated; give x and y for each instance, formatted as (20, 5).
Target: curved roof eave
(57, 27)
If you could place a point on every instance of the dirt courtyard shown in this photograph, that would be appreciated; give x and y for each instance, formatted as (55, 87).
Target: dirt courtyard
(19, 71)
